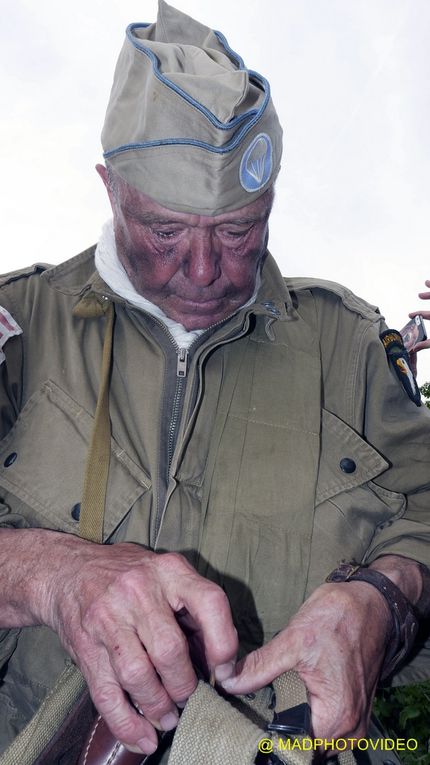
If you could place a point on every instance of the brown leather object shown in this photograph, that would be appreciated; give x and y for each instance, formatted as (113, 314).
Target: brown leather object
(65, 746)
(101, 748)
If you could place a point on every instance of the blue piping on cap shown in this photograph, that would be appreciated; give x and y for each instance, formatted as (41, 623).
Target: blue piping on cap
(237, 138)
(192, 101)
(251, 117)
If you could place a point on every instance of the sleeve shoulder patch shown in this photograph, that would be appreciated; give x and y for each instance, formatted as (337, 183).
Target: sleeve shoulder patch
(399, 360)
(8, 328)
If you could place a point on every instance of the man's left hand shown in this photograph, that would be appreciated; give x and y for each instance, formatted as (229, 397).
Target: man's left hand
(336, 642)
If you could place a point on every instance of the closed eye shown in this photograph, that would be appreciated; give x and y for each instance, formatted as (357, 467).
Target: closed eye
(165, 234)
(234, 233)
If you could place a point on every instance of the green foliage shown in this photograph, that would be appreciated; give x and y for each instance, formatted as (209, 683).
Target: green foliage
(425, 392)
(405, 713)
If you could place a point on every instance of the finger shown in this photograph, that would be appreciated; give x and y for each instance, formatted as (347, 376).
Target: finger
(195, 642)
(168, 652)
(425, 295)
(332, 713)
(122, 719)
(208, 607)
(424, 314)
(136, 675)
(260, 667)
(211, 612)
(421, 346)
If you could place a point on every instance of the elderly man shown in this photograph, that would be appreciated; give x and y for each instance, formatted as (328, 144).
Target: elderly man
(236, 436)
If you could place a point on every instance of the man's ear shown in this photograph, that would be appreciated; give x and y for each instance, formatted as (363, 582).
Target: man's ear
(104, 175)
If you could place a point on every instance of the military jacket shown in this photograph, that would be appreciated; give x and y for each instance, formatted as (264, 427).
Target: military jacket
(233, 453)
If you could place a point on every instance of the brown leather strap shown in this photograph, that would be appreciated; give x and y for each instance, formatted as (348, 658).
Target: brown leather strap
(102, 748)
(65, 746)
(422, 606)
(404, 622)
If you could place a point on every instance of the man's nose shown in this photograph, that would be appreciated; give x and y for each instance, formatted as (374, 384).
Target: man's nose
(202, 265)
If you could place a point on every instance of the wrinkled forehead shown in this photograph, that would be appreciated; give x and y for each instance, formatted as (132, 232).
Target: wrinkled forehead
(135, 203)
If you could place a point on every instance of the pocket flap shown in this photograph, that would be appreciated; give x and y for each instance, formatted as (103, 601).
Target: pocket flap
(346, 461)
(43, 458)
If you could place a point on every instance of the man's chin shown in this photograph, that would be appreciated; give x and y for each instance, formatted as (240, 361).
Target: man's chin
(200, 315)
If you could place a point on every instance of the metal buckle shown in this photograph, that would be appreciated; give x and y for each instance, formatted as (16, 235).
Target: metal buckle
(292, 722)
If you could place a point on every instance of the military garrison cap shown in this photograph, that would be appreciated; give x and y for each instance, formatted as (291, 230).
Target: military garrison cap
(187, 123)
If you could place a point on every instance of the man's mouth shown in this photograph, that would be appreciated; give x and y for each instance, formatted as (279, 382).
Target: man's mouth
(201, 305)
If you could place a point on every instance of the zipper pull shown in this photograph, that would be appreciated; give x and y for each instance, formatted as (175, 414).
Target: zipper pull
(182, 365)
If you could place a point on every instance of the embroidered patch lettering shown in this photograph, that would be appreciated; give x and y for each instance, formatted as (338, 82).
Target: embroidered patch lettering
(399, 360)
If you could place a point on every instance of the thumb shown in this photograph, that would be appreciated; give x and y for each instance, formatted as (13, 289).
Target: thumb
(260, 667)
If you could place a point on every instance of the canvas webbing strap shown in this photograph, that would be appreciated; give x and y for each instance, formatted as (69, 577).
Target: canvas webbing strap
(290, 691)
(33, 740)
(97, 467)
(212, 730)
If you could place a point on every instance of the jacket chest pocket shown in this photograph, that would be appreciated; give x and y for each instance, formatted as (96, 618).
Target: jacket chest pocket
(350, 508)
(43, 461)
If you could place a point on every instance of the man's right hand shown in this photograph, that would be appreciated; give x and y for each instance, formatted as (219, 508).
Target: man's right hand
(424, 343)
(116, 609)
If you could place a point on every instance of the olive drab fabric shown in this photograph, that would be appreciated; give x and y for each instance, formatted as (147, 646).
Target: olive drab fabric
(253, 491)
(184, 106)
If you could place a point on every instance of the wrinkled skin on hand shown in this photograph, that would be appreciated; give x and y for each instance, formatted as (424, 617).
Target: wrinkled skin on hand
(336, 642)
(116, 614)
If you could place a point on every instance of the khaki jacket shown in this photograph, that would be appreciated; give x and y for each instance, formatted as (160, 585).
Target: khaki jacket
(237, 465)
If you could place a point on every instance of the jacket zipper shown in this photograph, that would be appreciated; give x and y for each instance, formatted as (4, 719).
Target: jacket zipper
(181, 375)
(183, 356)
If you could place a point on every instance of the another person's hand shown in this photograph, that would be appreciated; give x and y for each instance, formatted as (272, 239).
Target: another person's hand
(116, 611)
(425, 343)
(336, 642)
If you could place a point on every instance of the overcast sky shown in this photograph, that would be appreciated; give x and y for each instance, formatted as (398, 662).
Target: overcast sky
(350, 79)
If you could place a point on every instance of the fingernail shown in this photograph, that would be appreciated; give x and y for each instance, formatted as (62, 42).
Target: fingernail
(181, 704)
(146, 745)
(228, 684)
(169, 721)
(223, 671)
